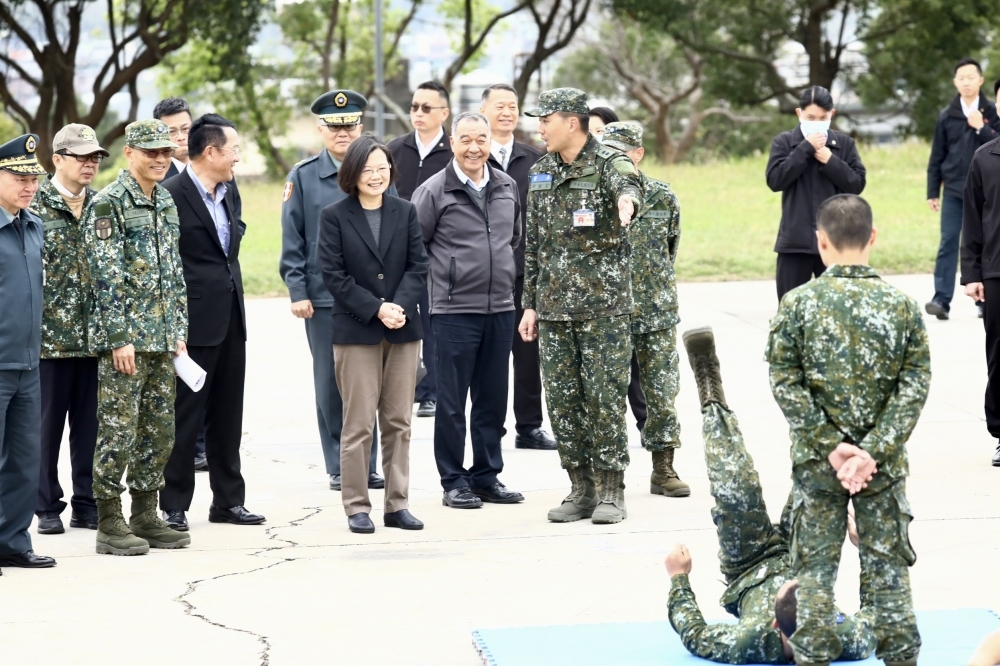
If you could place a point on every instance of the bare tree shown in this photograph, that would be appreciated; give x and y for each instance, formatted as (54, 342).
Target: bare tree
(472, 40)
(557, 21)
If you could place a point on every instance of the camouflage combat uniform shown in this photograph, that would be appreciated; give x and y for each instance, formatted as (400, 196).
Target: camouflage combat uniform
(753, 556)
(577, 279)
(142, 300)
(849, 362)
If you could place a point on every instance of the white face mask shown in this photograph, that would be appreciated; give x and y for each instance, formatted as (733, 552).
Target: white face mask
(814, 126)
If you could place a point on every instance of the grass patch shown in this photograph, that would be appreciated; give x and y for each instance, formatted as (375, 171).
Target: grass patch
(729, 219)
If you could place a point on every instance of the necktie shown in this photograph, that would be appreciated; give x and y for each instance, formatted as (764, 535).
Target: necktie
(503, 157)
(17, 227)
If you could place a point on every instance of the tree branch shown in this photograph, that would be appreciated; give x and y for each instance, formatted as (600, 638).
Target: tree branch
(470, 48)
(35, 83)
(15, 26)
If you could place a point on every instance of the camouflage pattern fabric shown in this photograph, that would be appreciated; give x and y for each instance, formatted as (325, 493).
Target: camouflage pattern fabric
(659, 377)
(849, 361)
(585, 372)
(68, 318)
(654, 237)
(135, 415)
(623, 135)
(565, 100)
(132, 242)
(149, 134)
(577, 251)
(883, 518)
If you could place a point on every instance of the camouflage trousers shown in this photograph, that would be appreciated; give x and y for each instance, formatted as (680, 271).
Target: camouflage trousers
(659, 377)
(135, 417)
(585, 373)
(883, 518)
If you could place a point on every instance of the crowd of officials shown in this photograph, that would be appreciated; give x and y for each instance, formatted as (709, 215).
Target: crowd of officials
(419, 268)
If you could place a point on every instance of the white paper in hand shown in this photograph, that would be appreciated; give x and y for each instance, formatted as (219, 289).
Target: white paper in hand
(190, 372)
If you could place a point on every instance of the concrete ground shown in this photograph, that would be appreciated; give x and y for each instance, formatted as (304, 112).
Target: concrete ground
(303, 590)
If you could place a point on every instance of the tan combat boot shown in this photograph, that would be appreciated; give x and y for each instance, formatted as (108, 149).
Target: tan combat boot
(664, 480)
(908, 662)
(146, 524)
(113, 536)
(612, 506)
(700, 345)
(582, 499)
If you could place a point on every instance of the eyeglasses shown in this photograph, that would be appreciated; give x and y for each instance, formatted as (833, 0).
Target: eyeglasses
(153, 154)
(177, 131)
(96, 158)
(382, 171)
(342, 128)
(426, 108)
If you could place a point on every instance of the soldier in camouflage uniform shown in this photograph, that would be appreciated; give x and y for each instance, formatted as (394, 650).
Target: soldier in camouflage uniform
(753, 552)
(578, 297)
(654, 239)
(132, 238)
(850, 369)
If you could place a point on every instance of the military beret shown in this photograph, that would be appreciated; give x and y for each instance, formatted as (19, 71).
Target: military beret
(148, 135)
(18, 156)
(339, 107)
(77, 139)
(623, 135)
(567, 100)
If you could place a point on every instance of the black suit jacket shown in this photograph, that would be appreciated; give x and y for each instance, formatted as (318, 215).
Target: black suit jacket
(362, 275)
(172, 171)
(522, 157)
(211, 276)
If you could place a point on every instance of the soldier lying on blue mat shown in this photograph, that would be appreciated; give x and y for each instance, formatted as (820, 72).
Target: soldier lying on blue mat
(753, 552)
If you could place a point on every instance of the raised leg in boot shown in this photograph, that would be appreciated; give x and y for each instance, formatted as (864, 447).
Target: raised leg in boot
(113, 535)
(582, 499)
(146, 523)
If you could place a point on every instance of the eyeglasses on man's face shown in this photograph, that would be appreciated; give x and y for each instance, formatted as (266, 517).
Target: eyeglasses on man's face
(154, 154)
(426, 108)
(183, 130)
(337, 129)
(96, 158)
(368, 172)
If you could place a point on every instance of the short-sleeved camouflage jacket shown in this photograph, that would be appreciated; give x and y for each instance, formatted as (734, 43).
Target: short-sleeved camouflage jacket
(577, 252)
(135, 261)
(654, 238)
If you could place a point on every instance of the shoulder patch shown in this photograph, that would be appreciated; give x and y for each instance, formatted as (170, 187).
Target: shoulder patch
(540, 178)
(104, 228)
(102, 209)
(606, 153)
(624, 167)
(116, 189)
(289, 187)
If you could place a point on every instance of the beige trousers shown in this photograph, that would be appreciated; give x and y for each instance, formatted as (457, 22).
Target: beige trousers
(376, 379)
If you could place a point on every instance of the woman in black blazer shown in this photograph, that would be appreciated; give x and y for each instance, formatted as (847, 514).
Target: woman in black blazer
(372, 255)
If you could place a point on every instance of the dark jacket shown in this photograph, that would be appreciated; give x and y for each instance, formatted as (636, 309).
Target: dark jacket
(211, 276)
(522, 157)
(471, 254)
(981, 216)
(804, 184)
(955, 142)
(411, 171)
(21, 292)
(362, 275)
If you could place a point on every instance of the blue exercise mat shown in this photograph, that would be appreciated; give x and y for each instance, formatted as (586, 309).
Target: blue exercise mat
(949, 638)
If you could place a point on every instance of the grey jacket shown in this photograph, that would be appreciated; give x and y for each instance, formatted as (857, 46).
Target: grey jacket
(21, 293)
(472, 268)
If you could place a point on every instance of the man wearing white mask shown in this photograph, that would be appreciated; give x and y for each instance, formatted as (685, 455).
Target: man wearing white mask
(808, 165)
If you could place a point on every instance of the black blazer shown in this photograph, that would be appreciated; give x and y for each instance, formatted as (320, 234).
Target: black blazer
(211, 277)
(362, 275)
(522, 157)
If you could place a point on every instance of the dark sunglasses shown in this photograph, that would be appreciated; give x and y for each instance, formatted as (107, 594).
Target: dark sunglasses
(426, 108)
(342, 128)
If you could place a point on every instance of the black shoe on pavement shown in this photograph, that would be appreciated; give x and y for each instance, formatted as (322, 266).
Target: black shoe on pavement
(335, 482)
(938, 309)
(360, 523)
(427, 408)
(402, 519)
(200, 463)
(27, 560)
(86, 519)
(461, 498)
(176, 519)
(375, 482)
(996, 456)
(498, 494)
(50, 523)
(536, 439)
(979, 309)
(237, 515)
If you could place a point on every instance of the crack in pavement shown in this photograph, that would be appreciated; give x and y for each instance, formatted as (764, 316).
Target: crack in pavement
(191, 610)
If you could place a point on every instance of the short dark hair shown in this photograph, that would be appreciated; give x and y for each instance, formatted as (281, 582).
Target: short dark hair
(498, 86)
(996, 87)
(847, 221)
(355, 159)
(968, 61)
(583, 118)
(605, 114)
(440, 89)
(171, 106)
(786, 608)
(817, 95)
(207, 131)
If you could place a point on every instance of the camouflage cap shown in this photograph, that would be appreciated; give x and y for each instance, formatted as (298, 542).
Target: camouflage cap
(148, 135)
(625, 135)
(567, 100)
(77, 139)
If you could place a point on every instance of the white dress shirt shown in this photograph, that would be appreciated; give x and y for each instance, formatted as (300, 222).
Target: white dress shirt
(426, 150)
(495, 151)
(468, 181)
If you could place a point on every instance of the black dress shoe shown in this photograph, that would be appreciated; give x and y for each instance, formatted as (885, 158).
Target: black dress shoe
(335, 482)
(536, 439)
(498, 494)
(27, 560)
(375, 482)
(86, 519)
(200, 463)
(427, 408)
(996, 456)
(176, 519)
(50, 523)
(938, 309)
(461, 498)
(402, 519)
(360, 523)
(237, 515)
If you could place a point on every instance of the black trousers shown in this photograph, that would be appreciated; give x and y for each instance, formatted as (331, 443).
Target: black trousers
(69, 387)
(427, 387)
(636, 399)
(527, 373)
(219, 406)
(472, 355)
(795, 269)
(991, 321)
